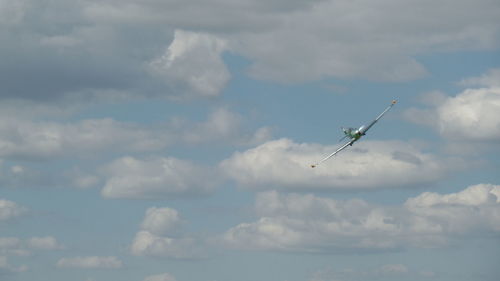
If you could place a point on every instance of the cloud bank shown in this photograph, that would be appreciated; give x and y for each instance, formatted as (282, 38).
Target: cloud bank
(161, 236)
(156, 177)
(284, 164)
(90, 262)
(308, 223)
(9, 210)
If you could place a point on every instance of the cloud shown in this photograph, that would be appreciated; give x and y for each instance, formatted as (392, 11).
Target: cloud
(12, 13)
(12, 246)
(91, 262)
(148, 244)
(363, 39)
(222, 124)
(44, 243)
(192, 65)
(17, 247)
(307, 223)
(384, 272)
(160, 277)
(489, 79)
(351, 39)
(470, 116)
(9, 242)
(6, 267)
(161, 236)
(42, 140)
(25, 139)
(162, 221)
(156, 177)
(73, 58)
(391, 269)
(10, 210)
(174, 50)
(367, 165)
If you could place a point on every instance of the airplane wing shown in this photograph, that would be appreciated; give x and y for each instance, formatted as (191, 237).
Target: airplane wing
(336, 151)
(365, 128)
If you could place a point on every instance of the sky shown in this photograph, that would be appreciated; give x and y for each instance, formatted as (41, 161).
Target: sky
(172, 140)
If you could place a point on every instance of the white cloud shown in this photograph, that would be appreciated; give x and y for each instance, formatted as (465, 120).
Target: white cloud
(391, 269)
(28, 139)
(44, 243)
(490, 79)
(367, 165)
(161, 236)
(384, 272)
(12, 12)
(307, 223)
(16, 247)
(5, 266)
(192, 65)
(221, 124)
(160, 277)
(148, 244)
(157, 177)
(9, 210)
(9, 242)
(297, 41)
(470, 116)
(162, 221)
(289, 41)
(364, 39)
(13, 246)
(91, 262)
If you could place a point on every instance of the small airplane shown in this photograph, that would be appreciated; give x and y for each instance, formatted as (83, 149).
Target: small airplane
(355, 134)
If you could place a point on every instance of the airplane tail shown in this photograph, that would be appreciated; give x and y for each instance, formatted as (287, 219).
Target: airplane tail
(346, 133)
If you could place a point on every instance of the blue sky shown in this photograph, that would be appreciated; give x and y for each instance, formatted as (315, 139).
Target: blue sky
(171, 140)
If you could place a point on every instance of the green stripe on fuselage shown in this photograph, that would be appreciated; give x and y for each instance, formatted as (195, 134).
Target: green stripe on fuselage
(353, 134)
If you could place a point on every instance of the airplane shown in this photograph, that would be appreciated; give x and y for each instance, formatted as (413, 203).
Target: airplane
(355, 134)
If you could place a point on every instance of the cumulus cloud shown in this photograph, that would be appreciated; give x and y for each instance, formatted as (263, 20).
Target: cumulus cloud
(44, 243)
(85, 51)
(384, 272)
(160, 277)
(12, 246)
(192, 65)
(351, 39)
(17, 247)
(307, 223)
(489, 79)
(161, 236)
(12, 13)
(22, 138)
(468, 116)
(162, 221)
(367, 165)
(363, 39)
(5, 266)
(29, 139)
(9, 210)
(471, 115)
(148, 244)
(391, 269)
(156, 177)
(222, 124)
(91, 262)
